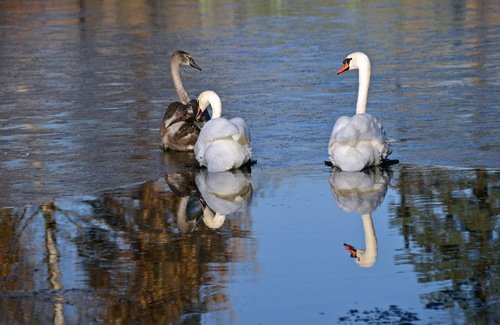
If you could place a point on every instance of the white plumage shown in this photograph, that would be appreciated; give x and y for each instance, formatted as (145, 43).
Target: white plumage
(223, 193)
(361, 192)
(222, 144)
(359, 141)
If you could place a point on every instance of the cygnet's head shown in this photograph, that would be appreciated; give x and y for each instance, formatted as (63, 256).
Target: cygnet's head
(356, 60)
(184, 58)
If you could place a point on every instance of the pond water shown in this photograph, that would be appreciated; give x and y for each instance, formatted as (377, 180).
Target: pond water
(99, 225)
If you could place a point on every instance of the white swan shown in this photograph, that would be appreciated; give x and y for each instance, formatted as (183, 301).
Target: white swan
(223, 194)
(358, 142)
(222, 144)
(179, 129)
(361, 192)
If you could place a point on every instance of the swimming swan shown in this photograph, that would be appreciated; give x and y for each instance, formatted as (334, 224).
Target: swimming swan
(222, 144)
(358, 142)
(179, 129)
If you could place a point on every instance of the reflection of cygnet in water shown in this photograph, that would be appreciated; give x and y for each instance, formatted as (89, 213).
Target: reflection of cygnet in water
(184, 187)
(223, 193)
(361, 192)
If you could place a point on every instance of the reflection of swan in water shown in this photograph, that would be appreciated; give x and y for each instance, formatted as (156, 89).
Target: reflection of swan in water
(222, 194)
(365, 257)
(183, 223)
(179, 161)
(361, 192)
(184, 187)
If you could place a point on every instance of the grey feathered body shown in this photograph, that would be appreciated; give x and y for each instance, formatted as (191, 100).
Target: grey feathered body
(179, 129)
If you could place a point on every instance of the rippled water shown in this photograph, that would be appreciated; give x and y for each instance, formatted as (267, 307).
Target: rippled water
(99, 225)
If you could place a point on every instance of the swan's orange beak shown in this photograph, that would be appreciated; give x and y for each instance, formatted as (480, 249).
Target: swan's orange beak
(345, 67)
(351, 250)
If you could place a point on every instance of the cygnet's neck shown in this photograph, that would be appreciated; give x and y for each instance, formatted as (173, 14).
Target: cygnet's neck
(176, 77)
(364, 84)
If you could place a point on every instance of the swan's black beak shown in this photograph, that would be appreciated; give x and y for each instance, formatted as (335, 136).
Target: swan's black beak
(193, 64)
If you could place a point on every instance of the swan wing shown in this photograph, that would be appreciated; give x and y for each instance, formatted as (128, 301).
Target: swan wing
(215, 129)
(178, 129)
(242, 126)
(357, 142)
(175, 112)
(340, 124)
(221, 145)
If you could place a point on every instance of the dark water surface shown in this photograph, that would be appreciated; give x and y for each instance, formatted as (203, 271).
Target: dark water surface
(98, 225)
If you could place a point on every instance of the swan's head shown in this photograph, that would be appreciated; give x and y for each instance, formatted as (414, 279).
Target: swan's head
(363, 258)
(205, 99)
(356, 60)
(184, 58)
(211, 219)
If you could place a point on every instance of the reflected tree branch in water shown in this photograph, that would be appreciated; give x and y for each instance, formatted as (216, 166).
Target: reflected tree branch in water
(54, 272)
(141, 262)
(449, 221)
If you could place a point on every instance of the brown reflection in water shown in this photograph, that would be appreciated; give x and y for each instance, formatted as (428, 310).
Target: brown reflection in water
(16, 265)
(169, 269)
(134, 257)
(448, 219)
(52, 257)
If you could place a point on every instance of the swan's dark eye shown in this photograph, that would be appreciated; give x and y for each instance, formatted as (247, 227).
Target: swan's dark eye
(346, 61)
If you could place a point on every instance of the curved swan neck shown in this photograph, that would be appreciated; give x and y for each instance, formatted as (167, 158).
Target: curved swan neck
(370, 238)
(364, 84)
(176, 77)
(210, 98)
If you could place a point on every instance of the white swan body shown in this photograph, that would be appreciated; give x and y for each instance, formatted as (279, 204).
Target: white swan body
(358, 142)
(179, 130)
(222, 144)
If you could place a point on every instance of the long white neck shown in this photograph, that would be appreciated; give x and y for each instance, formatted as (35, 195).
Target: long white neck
(364, 84)
(176, 77)
(371, 247)
(210, 97)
